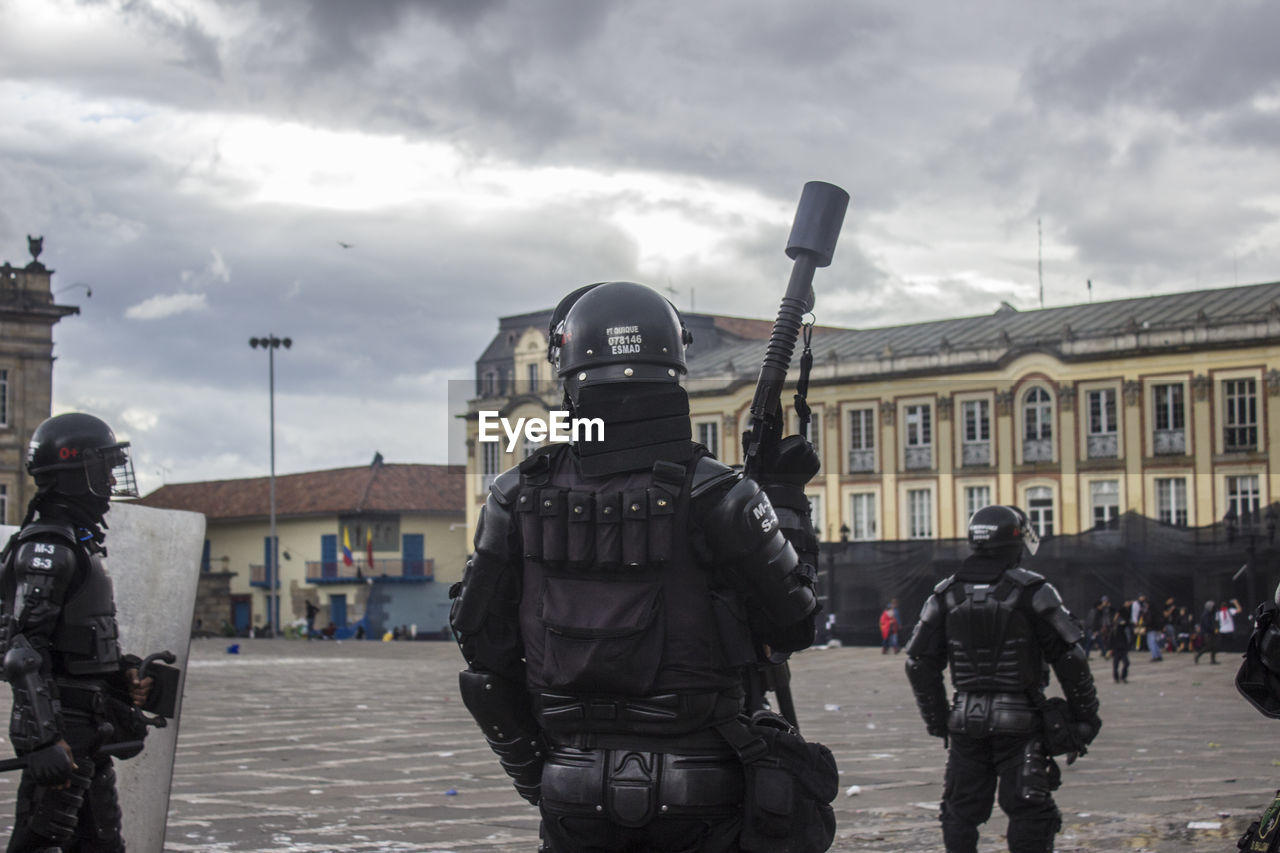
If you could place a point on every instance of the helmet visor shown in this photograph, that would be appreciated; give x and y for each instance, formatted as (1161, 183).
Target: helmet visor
(1030, 538)
(109, 472)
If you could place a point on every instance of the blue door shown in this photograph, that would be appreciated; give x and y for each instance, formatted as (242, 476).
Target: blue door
(338, 610)
(240, 613)
(412, 548)
(329, 555)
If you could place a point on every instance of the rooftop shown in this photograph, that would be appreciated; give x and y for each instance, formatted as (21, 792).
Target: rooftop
(368, 488)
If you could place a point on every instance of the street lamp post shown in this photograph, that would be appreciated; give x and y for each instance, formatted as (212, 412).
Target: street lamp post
(271, 343)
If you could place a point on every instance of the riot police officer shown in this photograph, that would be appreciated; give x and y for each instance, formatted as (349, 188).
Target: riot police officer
(618, 589)
(1000, 627)
(73, 691)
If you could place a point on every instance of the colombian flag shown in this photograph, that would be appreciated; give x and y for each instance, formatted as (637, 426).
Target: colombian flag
(346, 546)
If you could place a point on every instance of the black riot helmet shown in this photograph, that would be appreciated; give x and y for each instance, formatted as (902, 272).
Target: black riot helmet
(77, 454)
(998, 530)
(616, 332)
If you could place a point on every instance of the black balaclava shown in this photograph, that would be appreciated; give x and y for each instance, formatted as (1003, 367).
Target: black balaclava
(644, 422)
(987, 566)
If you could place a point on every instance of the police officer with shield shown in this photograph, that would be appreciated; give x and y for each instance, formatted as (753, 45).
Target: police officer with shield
(74, 693)
(1000, 628)
(616, 595)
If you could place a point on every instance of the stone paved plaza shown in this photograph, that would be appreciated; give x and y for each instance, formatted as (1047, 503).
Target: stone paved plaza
(365, 746)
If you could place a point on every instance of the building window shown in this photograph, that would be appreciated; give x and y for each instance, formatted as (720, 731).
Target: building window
(862, 440)
(533, 379)
(709, 436)
(4, 397)
(1037, 418)
(1040, 510)
(975, 498)
(919, 513)
(1243, 497)
(919, 437)
(863, 517)
(1171, 500)
(1104, 498)
(488, 463)
(1241, 421)
(815, 429)
(488, 384)
(975, 447)
(1170, 420)
(815, 515)
(1102, 439)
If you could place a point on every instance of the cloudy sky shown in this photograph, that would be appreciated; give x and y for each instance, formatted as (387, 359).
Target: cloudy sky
(198, 162)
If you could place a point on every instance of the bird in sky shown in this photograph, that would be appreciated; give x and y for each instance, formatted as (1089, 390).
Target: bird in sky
(344, 245)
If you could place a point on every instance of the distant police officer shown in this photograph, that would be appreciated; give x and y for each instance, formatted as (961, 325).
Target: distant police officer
(1000, 627)
(616, 594)
(73, 691)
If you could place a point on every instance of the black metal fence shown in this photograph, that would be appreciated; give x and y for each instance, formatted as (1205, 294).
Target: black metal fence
(1133, 556)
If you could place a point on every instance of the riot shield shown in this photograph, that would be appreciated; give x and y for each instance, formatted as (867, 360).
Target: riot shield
(153, 557)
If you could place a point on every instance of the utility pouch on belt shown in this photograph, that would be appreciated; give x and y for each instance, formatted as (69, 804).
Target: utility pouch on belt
(790, 784)
(1263, 835)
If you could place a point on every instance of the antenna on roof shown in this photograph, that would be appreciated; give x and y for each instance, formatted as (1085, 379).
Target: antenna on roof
(1089, 284)
(1040, 258)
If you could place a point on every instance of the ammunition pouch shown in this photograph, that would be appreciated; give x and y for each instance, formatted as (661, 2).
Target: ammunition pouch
(790, 784)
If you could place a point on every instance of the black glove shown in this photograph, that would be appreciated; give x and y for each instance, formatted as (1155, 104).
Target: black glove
(793, 462)
(51, 765)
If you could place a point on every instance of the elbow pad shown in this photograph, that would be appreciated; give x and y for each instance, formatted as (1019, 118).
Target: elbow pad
(931, 695)
(743, 533)
(1072, 670)
(35, 720)
(481, 586)
(504, 713)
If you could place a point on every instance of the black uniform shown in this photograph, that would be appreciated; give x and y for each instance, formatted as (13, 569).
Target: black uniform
(615, 597)
(1000, 627)
(58, 638)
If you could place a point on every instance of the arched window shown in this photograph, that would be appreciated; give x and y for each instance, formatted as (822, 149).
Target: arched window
(1037, 426)
(1037, 411)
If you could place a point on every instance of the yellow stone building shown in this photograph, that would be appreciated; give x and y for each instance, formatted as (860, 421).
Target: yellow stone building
(1159, 404)
(27, 316)
(403, 524)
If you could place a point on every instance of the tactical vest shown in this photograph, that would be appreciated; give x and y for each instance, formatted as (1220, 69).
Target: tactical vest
(86, 639)
(616, 605)
(991, 642)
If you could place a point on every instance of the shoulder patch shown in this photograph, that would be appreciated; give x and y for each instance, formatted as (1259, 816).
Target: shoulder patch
(44, 556)
(708, 473)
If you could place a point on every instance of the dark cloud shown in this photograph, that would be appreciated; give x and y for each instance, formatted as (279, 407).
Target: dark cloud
(1139, 137)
